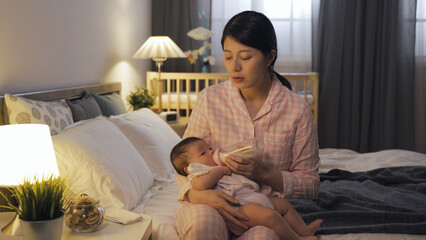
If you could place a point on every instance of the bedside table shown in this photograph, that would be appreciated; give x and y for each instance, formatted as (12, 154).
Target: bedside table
(180, 126)
(107, 231)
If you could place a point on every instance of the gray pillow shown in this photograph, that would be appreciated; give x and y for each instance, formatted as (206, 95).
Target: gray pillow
(110, 104)
(84, 108)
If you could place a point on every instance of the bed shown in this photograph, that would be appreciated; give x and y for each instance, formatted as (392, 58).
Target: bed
(123, 160)
(178, 91)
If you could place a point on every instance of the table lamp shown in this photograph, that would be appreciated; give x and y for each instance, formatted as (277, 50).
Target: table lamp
(26, 151)
(159, 48)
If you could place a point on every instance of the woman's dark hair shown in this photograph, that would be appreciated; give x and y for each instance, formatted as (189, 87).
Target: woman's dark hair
(255, 30)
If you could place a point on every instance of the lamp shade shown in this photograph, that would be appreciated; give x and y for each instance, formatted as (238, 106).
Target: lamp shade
(26, 150)
(159, 48)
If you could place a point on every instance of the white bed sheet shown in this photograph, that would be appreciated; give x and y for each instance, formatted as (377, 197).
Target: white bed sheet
(352, 161)
(161, 204)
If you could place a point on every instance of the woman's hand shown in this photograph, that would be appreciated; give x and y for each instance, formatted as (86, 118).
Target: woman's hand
(251, 168)
(256, 170)
(219, 201)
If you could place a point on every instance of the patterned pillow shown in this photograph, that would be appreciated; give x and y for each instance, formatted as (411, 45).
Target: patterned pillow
(56, 115)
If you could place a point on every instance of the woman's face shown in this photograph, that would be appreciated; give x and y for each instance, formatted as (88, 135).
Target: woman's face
(246, 66)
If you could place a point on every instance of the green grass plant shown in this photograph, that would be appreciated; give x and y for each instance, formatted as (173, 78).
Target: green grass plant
(40, 199)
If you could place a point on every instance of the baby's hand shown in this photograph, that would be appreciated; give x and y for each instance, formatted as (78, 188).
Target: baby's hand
(226, 170)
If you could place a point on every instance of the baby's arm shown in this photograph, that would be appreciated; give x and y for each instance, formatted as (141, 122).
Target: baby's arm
(208, 180)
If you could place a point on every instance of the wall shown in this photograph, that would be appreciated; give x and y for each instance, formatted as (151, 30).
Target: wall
(47, 44)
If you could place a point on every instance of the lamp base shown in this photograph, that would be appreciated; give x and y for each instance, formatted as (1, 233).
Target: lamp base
(13, 228)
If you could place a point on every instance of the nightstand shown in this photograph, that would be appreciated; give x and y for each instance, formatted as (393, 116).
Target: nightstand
(107, 231)
(180, 126)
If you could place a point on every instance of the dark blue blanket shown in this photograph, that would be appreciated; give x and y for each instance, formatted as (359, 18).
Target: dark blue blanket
(385, 200)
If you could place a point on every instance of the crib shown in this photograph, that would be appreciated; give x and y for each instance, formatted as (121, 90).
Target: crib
(177, 91)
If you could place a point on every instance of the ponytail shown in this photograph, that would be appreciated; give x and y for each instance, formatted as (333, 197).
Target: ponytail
(282, 79)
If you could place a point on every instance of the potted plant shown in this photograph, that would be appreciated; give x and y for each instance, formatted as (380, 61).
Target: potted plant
(141, 98)
(41, 204)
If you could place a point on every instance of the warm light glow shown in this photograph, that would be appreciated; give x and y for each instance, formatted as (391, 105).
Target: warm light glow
(159, 48)
(26, 150)
(127, 75)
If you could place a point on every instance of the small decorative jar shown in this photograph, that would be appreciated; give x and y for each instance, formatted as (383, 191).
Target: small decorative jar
(85, 214)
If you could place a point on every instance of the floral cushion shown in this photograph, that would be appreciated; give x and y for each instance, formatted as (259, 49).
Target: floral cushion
(21, 110)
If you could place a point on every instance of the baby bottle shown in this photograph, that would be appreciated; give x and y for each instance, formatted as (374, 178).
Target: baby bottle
(251, 148)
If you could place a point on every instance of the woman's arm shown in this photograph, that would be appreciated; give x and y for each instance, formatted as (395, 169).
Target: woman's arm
(214, 198)
(302, 179)
(208, 180)
(198, 126)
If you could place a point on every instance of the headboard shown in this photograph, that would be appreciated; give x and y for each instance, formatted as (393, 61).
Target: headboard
(62, 93)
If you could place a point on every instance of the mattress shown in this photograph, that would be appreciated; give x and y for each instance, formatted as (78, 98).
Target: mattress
(161, 204)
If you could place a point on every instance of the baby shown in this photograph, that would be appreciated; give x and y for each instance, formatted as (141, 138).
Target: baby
(193, 157)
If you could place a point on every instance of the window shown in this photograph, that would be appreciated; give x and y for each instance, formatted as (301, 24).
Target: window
(292, 23)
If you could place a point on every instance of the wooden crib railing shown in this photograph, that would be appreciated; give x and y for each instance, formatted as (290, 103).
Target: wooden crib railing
(178, 91)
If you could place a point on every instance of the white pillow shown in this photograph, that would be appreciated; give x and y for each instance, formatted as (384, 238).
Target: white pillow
(99, 160)
(56, 115)
(152, 137)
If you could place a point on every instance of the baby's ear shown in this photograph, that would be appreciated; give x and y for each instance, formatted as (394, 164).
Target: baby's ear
(186, 170)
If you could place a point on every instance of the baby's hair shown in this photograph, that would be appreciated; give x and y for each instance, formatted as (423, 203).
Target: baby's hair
(178, 155)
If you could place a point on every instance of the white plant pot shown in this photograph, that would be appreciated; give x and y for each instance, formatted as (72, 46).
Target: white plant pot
(42, 230)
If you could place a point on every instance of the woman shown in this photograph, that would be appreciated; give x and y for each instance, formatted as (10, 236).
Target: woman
(256, 102)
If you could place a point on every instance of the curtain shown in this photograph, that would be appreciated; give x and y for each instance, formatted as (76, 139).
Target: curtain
(365, 60)
(420, 84)
(174, 18)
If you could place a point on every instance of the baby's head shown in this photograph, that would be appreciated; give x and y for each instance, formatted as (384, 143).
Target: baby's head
(191, 150)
